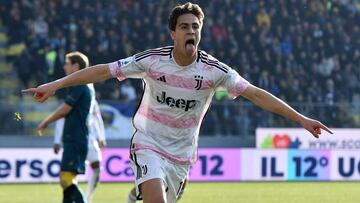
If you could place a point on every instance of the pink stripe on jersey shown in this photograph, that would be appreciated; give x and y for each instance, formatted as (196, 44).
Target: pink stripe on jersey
(116, 71)
(179, 81)
(167, 120)
(239, 88)
(175, 159)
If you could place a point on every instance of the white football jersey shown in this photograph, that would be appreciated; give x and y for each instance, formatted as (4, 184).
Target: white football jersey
(95, 123)
(175, 99)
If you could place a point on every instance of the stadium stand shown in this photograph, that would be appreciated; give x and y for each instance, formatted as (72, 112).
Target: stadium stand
(305, 52)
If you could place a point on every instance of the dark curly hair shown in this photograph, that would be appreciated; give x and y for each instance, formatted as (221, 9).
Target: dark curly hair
(184, 9)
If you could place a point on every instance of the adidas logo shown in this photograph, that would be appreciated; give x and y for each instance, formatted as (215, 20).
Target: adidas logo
(162, 78)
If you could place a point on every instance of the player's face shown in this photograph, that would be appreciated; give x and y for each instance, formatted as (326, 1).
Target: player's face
(70, 68)
(187, 34)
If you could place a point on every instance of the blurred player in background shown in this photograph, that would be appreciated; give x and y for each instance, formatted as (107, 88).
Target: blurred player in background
(96, 141)
(76, 110)
(180, 82)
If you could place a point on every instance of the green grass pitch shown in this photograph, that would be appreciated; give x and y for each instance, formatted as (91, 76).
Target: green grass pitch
(237, 192)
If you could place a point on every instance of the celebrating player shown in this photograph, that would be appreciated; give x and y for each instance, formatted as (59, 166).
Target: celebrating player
(180, 81)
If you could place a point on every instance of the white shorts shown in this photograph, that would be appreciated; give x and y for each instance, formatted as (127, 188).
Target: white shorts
(94, 153)
(150, 165)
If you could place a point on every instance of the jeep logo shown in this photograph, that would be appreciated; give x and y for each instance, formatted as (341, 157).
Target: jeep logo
(178, 103)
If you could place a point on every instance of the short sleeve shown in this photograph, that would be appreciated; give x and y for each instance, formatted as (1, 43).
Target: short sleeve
(234, 83)
(127, 68)
(73, 95)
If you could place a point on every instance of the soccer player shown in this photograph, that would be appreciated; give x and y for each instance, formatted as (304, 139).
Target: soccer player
(96, 141)
(75, 110)
(180, 81)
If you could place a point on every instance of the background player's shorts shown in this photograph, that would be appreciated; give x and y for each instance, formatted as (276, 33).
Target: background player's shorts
(150, 165)
(73, 158)
(94, 153)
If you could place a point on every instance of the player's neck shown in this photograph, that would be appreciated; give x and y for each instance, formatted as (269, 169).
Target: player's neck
(183, 59)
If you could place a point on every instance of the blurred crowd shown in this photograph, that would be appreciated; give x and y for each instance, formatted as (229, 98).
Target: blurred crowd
(303, 51)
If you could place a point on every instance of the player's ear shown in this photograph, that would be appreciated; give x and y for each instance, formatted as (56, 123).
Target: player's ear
(172, 34)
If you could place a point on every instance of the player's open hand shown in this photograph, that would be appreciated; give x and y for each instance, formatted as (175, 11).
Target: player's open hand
(314, 127)
(42, 92)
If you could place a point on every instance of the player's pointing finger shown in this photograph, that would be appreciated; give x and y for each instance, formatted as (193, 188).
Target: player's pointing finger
(326, 128)
(31, 90)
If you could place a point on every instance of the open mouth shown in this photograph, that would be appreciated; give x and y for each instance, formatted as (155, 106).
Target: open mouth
(190, 41)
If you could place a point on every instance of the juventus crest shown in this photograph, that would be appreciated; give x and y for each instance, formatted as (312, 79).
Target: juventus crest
(198, 79)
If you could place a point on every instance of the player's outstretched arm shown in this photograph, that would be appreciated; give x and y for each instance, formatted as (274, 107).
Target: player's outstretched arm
(271, 103)
(91, 74)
